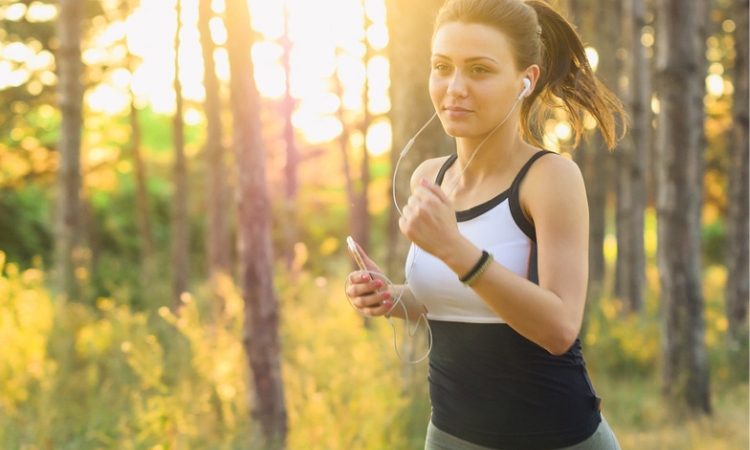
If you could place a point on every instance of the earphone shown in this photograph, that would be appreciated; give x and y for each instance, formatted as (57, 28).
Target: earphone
(526, 87)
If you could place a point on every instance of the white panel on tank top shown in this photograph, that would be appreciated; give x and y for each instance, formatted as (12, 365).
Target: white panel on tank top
(438, 287)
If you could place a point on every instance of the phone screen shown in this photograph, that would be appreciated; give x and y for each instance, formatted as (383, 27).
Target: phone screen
(355, 253)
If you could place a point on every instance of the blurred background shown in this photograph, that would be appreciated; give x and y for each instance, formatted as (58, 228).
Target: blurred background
(177, 178)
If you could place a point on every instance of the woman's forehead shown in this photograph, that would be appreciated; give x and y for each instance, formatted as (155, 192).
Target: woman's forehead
(470, 40)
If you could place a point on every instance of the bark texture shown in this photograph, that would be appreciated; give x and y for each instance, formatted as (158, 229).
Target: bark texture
(679, 170)
(68, 223)
(261, 341)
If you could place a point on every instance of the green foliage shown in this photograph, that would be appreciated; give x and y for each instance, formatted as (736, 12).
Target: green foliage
(107, 376)
(714, 243)
(343, 380)
(25, 230)
(80, 377)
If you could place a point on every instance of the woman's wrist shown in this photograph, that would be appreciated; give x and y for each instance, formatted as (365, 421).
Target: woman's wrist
(462, 257)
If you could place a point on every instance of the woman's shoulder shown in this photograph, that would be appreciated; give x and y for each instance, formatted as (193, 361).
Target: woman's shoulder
(553, 179)
(428, 169)
(552, 168)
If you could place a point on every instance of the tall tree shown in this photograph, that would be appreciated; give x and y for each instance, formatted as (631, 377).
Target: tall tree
(180, 252)
(261, 340)
(596, 22)
(143, 215)
(292, 159)
(410, 31)
(357, 181)
(679, 170)
(630, 274)
(68, 223)
(737, 291)
(217, 195)
(359, 214)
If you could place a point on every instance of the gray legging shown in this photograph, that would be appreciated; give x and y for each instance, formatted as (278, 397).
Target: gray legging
(602, 439)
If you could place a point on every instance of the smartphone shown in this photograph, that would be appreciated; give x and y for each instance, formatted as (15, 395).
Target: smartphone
(357, 256)
(360, 261)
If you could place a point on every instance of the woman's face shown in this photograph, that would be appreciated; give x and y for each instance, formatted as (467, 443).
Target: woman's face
(474, 80)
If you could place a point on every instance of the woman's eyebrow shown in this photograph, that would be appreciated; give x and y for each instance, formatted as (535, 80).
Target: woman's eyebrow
(467, 60)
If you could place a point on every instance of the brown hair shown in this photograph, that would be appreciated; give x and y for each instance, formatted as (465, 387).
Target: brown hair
(539, 35)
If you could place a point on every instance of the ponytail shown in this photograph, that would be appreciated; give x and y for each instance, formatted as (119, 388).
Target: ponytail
(567, 80)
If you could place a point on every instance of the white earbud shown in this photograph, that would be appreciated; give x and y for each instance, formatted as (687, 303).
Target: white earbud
(526, 87)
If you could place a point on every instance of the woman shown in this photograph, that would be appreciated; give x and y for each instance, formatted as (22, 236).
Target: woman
(499, 263)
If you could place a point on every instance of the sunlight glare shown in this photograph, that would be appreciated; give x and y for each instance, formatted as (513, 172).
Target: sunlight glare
(114, 33)
(267, 18)
(271, 81)
(218, 6)
(266, 53)
(18, 52)
(41, 12)
(218, 31)
(563, 131)
(379, 138)
(715, 85)
(221, 60)
(352, 100)
(41, 60)
(377, 36)
(327, 40)
(107, 99)
(351, 71)
(121, 78)
(15, 12)
(375, 10)
(593, 56)
(317, 129)
(193, 116)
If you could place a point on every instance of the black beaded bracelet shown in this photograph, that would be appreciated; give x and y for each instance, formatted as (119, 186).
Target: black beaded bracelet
(479, 268)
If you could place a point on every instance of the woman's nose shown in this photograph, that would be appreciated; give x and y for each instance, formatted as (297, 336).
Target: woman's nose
(457, 85)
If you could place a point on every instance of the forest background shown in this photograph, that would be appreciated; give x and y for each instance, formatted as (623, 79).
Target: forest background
(172, 247)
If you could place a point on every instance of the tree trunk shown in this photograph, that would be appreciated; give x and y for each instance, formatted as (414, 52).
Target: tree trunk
(737, 216)
(599, 171)
(68, 224)
(410, 33)
(180, 239)
(591, 155)
(630, 275)
(145, 232)
(288, 105)
(360, 214)
(357, 183)
(217, 194)
(679, 166)
(261, 340)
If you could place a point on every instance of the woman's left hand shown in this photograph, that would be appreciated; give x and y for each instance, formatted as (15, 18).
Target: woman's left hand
(429, 219)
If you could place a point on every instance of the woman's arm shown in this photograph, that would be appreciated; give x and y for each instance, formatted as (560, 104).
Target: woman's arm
(554, 199)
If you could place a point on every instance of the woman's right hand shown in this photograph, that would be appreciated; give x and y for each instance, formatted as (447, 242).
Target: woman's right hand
(368, 290)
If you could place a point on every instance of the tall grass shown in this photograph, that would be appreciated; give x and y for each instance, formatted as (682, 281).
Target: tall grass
(106, 376)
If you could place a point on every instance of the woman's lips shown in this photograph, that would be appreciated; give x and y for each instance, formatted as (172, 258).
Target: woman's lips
(456, 112)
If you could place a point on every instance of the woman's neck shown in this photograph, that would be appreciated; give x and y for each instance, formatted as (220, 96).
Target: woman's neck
(487, 157)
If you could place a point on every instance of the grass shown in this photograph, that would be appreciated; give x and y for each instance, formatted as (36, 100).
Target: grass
(642, 420)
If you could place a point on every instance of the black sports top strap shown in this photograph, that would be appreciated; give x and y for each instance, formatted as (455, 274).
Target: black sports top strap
(441, 174)
(515, 205)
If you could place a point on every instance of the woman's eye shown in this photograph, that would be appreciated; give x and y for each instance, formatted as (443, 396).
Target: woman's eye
(479, 70)
(440, 67)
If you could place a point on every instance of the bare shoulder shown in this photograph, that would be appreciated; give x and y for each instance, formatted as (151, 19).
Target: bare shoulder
(427, 169)
(553, 172)
(553, 183)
